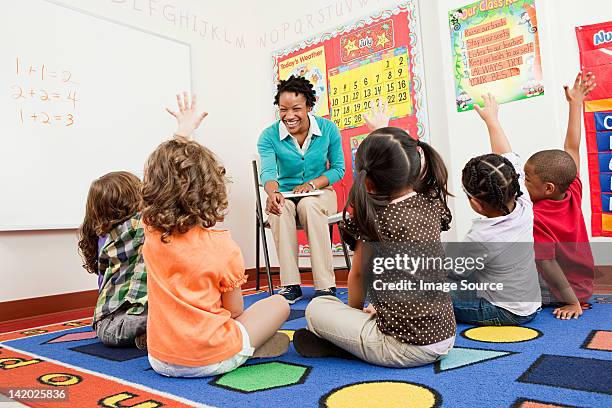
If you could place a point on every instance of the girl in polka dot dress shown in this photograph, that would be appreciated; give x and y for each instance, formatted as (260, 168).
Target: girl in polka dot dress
(399, 209)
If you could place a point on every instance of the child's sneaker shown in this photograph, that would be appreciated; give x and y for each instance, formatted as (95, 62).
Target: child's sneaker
(308, 344)
(325, 292)
(291, 293)
(276, 345)
(141, 342)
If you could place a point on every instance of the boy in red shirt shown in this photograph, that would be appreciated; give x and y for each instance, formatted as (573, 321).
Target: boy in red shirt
(563, 254)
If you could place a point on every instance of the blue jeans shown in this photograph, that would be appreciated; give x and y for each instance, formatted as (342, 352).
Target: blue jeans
(483, 313)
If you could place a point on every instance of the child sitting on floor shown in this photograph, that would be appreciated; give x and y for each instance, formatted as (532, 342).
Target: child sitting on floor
(198, 326)
(503, 238)
(397, 207)
(563, 253)
(110, 243)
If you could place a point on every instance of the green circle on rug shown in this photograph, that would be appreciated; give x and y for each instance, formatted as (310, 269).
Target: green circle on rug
(264, 376)
(388, 394)
(501, 334)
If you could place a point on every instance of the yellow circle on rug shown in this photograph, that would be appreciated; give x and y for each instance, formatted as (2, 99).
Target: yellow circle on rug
(288, 333)
(501, 334)
(388, 394)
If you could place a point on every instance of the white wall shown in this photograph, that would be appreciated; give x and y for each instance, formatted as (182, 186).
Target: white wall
(232, 43)
(531, 125)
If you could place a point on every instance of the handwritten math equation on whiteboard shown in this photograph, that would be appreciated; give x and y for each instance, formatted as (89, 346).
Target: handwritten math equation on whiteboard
(44, 95)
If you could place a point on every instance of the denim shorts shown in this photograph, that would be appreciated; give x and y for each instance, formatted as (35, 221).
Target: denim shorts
(173, 370)
(482, 312)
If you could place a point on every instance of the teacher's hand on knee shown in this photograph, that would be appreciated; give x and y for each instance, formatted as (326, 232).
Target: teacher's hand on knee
(275, 203)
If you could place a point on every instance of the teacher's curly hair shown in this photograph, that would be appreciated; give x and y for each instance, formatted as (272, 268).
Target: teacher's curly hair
(184, 186)
(297, 85)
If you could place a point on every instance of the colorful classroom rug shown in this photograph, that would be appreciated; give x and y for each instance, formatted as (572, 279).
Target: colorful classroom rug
(550, 363)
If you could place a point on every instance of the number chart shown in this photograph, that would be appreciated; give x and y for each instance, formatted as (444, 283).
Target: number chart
(354, 89)
(374, 59)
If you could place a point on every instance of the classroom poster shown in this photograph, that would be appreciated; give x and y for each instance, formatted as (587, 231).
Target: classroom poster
(495, 48)
(311, 65)
(595, 44)
(374, 58)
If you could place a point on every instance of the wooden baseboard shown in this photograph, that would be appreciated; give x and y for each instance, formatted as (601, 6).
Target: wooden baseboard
(43, 320)
(46, 305)
(341, 276)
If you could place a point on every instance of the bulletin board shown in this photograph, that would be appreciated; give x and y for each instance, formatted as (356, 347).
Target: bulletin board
(355, 65)
(496, 49)
(595, 44)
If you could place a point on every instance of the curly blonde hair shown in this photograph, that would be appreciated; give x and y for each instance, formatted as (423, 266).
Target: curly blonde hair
(112, 199)
(184, 186)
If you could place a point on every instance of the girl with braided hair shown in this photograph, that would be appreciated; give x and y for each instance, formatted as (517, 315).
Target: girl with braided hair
(506, 278)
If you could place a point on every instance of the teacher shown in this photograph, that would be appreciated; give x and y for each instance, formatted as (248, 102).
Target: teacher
(301, 153)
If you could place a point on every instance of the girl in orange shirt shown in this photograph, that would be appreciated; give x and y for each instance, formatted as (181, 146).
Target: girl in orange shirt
(197, 324)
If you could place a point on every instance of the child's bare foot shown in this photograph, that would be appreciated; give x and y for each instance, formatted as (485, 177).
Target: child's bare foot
(568, 311)
(276, 346)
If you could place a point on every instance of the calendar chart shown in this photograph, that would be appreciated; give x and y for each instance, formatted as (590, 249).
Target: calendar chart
(375, 59)
(355, 88)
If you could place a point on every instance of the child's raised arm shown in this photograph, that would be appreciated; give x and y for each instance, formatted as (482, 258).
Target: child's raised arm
(497, 137)
(583, 85)
(187, 116)
(379, 116)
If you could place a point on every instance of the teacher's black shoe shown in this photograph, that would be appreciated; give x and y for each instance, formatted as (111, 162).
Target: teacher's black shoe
(291, 293)
(325, 292)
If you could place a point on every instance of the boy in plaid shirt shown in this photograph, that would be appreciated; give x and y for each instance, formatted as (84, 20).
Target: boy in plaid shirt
(111, 239)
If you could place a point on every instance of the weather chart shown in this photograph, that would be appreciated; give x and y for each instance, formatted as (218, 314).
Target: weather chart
(377, 58)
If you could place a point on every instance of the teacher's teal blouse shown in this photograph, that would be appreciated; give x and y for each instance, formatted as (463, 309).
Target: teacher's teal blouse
(282, 160)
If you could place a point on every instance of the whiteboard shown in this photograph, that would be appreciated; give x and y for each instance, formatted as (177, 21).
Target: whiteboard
(81, 96)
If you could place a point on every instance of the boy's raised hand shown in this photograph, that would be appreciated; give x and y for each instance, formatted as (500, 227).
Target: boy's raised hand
(490, 110)
(187, 116)
(583, 85)
(379, 116)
